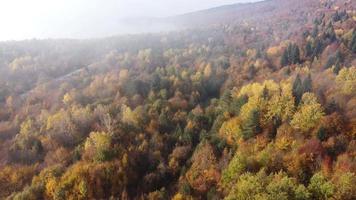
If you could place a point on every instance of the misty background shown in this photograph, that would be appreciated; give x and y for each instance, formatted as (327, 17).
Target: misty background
(41, 19)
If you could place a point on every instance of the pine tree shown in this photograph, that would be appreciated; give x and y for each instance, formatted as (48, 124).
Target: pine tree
(307, 84)
(337, 68)
(308, 49)
(294, 54)
(297, 89)
(330, 62)
(315, 30)
(291, 55)
(252, 125)
(284, 59)
(318, 47)
(353, 42)
(330, 33)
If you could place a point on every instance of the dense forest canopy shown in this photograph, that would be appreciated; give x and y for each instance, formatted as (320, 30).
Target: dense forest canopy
(233, 106)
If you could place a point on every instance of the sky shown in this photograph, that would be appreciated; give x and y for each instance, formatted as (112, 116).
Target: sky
(28, 19)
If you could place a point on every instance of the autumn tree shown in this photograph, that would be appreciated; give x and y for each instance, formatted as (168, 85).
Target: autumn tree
(308, 114)
(98, 147)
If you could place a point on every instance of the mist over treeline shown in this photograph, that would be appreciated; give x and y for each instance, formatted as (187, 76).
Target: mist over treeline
(84, 19)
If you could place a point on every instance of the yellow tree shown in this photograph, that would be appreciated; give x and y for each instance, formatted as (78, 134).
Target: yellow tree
(128, 116)
(281, 105)
(309, 113)
(97, 146)
(346, 80)
(231, 130)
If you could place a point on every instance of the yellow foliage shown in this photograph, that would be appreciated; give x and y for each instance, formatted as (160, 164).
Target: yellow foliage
(256, 100)
(254, 103)
(128, 116)
(208, 71)
(274, 51)
(178, 196)
(347, 80)
(55, 119)
(251, 53)
(185, 74)
(98, 140)
(256, 89)
(309, 113)
(231, 130)
(67, 99)
(302, 70)
(123, 75)
(51, 186)
(197, 77)
(281, 105)
(339, 32)
(26, 127)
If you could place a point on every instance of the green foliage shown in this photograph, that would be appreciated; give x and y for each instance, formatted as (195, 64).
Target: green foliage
(320, 188)
(252, 125)
(249, 187)
(27, 149)
(231, 174)
(308, 49)
(345, 186)
(298, 89)
(352, 44)
(291, 55)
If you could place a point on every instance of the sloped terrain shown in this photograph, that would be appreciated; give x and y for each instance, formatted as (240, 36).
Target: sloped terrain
(246, 101)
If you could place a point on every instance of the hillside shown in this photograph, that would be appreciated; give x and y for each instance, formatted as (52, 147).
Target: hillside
(245, 101)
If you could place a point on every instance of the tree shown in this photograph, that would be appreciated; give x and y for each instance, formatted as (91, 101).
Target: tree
(231, 130)
(346, 80)
(345, 186)
(307, 84)
(352, 44)
(291, 55)
(320, 188)
(281, 106)
(249, 186)
(203, 173)
(129, 116)
(308, 49)
(309, 113)
(297, 89)
(230, 175)
(295, 54)
(337, 68)
(98, 146)
(285, 59)
(252, 125)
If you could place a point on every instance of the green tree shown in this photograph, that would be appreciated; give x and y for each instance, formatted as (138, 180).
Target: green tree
(297, 89)
(284, 59)
(308, 49)
(252, 125)
(307, 84)
(352, 44)
(320, 188)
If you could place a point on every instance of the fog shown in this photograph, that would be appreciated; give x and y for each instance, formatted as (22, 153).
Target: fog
(28, 19)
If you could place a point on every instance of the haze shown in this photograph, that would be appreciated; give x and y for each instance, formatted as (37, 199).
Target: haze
(28, 19)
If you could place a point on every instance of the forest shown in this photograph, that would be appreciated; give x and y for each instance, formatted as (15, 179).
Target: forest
(227, 108)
